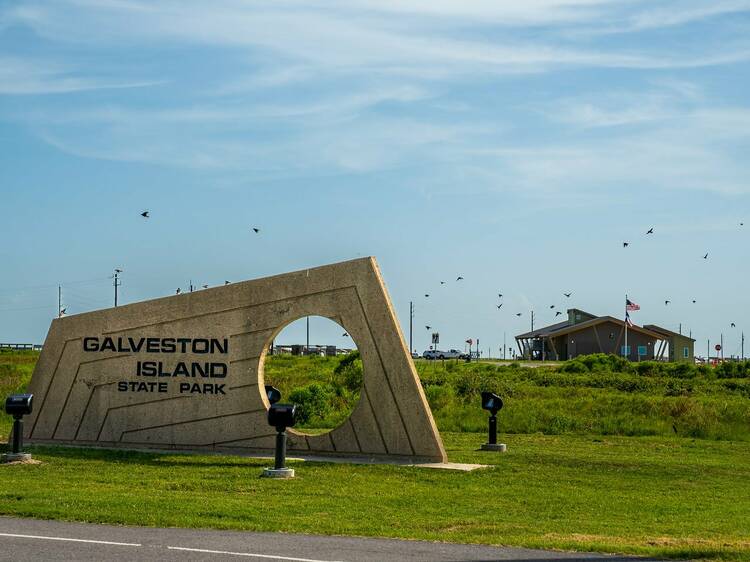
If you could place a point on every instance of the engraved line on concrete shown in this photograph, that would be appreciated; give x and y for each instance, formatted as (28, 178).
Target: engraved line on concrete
(104, 421)
(73, 383)
(385, 373)
(86, 409)
(224, 311)
(375, 418)
(264, 436)
(194, 420)
(46, 390)
(354, 431)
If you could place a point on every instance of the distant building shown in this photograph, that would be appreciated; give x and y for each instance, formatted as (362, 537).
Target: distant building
(584, 333)
(681, 347)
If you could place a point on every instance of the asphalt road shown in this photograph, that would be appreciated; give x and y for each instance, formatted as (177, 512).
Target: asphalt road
(29, 539)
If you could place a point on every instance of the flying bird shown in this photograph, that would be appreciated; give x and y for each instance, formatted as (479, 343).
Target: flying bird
(227, 282)
(256, 230)
(558, 313)
(552, 306)
(442, 282)
(500, 305)
(518, 313)
(144, 214)
(693, 301)
(459, 278)
(567, 294)
(426, 295)
(650, 230)
(733, 325)
(344, 335)
(205, 286)
(666, 303)
(178, 291)
(64, 310)
(428, 327)
(706, 256)
(625, 244)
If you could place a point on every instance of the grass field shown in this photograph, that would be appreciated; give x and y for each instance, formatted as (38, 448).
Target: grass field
(575, 488)
(671, 497)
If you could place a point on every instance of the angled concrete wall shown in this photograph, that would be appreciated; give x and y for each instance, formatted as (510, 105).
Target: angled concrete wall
(186, 372)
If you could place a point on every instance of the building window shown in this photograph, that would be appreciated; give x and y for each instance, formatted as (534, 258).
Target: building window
(642, 351)
(685, 352)
(625, 351)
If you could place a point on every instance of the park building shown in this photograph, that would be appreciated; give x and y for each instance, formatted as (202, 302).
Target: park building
(584, 333)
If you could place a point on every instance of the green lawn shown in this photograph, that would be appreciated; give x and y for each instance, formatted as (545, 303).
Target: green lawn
(652, 461)
(671, 497)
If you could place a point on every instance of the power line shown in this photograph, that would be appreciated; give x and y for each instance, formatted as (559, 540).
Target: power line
(53, 285)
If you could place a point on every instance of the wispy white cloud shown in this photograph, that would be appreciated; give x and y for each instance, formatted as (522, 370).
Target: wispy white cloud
(21, 76)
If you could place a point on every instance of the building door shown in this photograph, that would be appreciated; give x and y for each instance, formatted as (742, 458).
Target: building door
(571, 346)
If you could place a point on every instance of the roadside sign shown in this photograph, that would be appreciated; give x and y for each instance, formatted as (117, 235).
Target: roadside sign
(435, 337)
(717, 347)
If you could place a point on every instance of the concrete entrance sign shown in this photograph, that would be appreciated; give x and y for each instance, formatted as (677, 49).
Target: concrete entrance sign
(186, 372)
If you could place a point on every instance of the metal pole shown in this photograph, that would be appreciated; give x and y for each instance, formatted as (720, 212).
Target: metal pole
(17, 435)
(307, 346)
(493, 431)
(722, 347)
(504, 346)
(411, 327)
(280, 459)
(59, 301)
(117, 272)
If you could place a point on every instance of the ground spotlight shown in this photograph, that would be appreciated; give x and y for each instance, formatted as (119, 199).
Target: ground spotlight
(493, 404)
(280, 416)
(18, 406)
(273, 394)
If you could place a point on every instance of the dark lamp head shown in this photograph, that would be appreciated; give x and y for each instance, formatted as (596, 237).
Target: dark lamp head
(282, 416)
(273, 394)
(19, 405)
(491, 402)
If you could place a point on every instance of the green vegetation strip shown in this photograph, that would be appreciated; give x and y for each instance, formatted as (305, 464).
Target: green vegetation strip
(671, 497)
(585, 485)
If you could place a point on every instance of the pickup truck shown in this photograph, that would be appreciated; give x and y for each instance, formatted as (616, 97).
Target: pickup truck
(438, 354)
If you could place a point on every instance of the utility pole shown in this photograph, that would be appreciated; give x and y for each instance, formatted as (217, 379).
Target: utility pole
(743, 346)
(307, 346)
(191, 285)
(722, 347)
(708, 350)
(680, 330)
(411, 326)
(504, 345)
(532, 320)
(117, 282)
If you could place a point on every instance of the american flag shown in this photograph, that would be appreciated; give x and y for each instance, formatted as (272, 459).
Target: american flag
(630, 305)
(628, 321)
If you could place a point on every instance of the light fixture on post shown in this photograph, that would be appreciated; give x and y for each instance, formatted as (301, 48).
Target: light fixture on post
(493, 404)
(18, 406)
(280, 416)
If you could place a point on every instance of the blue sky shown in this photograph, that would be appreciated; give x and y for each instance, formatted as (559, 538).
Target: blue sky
(516, 144)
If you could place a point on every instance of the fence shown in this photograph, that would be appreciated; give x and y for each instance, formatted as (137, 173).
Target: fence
(32, 346)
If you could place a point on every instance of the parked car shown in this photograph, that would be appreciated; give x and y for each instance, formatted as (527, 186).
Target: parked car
(438, 354)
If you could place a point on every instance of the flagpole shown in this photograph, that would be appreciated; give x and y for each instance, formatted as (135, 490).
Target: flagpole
(626, 327)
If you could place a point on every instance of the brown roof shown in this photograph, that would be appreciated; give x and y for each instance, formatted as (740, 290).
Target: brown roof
(665, 332)
(566, 328)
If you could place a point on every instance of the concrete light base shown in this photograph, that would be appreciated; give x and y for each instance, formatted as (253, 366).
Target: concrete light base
(497, 447)
(15, 457)
(278, 473)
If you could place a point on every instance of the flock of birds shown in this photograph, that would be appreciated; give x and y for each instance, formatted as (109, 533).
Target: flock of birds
(146, 215)
(625, 244)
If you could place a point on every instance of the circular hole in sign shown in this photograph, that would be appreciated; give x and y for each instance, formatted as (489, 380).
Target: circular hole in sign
(315, 364)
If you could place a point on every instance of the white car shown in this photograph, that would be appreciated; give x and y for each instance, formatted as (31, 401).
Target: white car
(438, 354)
